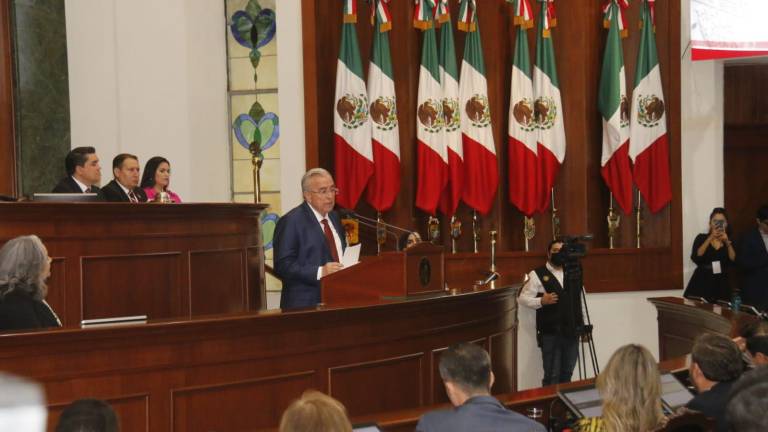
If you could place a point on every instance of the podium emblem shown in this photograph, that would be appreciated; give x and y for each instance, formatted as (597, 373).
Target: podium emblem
(425, 271)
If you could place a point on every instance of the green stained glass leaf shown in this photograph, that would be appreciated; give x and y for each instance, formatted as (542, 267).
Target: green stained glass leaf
(253, 8)
(256, 112)
(255, 56)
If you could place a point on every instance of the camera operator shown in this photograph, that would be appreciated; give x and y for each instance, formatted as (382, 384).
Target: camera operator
(559, 318)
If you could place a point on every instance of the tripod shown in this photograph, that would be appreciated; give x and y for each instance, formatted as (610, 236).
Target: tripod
(573, 278)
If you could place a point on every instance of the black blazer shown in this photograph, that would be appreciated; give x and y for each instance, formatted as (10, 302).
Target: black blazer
(712, 403)
(68, 185)
(19, 311)
(752, 257)
(112, 192)
(299, 249)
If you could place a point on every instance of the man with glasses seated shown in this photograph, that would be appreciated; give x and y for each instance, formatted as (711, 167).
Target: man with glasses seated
(752, 257)
(308, 243)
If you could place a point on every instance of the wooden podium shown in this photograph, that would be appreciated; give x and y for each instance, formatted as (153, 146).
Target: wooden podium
(415, 271)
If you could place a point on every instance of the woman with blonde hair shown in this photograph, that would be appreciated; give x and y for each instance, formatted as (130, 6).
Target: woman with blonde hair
(630, 387)
(315, 412)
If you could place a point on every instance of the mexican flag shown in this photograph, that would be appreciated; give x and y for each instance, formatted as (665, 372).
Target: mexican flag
(548, 107)
(614, 107)
(648, 143)
(449, 78)
(351, 123)
(481, 167)
(432, 160)
(524, 186)
(385, 183)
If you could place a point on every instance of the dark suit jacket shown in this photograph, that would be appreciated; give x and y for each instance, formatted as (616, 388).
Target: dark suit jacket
(712, 403)
(478, 414)
(300, 248)
(752, 257)
(112, 192)
(19, 311)
(68, 185)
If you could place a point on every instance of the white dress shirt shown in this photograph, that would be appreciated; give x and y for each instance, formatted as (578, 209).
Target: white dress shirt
(336, 237)
(528, 296)
(83, 187)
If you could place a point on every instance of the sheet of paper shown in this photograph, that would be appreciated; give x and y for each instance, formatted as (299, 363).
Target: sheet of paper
(351, 255)
(716, 269)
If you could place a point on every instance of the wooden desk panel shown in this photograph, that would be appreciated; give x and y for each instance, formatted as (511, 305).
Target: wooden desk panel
(118, 259)
(239, 372)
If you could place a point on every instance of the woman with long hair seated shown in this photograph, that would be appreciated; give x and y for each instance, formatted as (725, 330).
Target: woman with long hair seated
(630, 387)
(157, 178)
(24, 267)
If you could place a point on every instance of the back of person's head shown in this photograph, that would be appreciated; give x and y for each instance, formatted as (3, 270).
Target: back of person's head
(718, 357)
(22, 405)
(77, 158)
(762, 212)
(467, 366)
(88, 415)
(23, 261)
(748, 402)
(630, 386)
(315, 412)
(758, 349)
(754, 328)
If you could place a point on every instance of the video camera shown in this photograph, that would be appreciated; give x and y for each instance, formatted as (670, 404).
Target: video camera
(573, 248)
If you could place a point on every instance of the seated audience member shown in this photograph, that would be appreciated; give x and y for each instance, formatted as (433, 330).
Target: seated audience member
(22, 405)
(88, 415)
(757, 346)
(753, 260)
(83, 172)
(24, 267)
(630, 387)
(315, 412)
(753, 343)
(156, 178)
(125, 186)
(713, 254)
(408, 239)
(466, 372)
(748, 403)
(716, 363)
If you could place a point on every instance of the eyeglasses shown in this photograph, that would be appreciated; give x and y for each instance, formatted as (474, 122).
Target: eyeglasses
(327, 191)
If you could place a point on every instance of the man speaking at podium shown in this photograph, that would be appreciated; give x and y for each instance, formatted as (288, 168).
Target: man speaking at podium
(308, 244)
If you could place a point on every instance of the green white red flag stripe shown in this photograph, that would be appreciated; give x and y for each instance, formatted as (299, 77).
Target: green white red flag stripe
(481, 172)
(423, 14)
(353, 154)
(649, 143)
(522, 12)
(385, 182)
(431, 156)
(548, 107)
(449, 79)
(610, 12)
(524, 183)
(614, 108)
(467, 17)
(350, 11)
(380, 12)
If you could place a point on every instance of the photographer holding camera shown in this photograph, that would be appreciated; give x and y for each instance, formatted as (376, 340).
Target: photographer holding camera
(559, 317)
(713, 254)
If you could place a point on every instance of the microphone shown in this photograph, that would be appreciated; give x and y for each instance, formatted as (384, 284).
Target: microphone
(373, 223)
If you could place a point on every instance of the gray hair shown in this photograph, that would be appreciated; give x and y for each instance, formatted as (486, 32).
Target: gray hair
(314, 172)
(22, 261)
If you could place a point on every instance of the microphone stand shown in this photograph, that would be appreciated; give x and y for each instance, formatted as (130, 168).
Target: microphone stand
(375, 224)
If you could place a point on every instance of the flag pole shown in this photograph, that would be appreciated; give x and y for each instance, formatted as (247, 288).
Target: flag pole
(475, 231)
(639, 218)
(555, 217)
(381, 233)
(455, 233)
(614, 219)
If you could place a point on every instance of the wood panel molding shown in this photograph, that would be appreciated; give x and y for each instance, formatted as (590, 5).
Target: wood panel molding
(8, 181)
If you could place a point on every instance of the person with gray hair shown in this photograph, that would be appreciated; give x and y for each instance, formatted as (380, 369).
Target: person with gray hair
(24, 267)
(466, 372)
(309, 242)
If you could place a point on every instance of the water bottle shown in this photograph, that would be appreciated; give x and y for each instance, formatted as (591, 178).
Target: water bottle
(736, 302)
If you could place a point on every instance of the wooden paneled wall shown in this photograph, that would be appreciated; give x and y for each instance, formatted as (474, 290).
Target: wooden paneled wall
(746, 148)
(580, 194)
(7, 141)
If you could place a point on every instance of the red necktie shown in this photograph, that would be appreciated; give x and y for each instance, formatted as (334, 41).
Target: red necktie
(88, 190)
(330, 240)
(132, 197)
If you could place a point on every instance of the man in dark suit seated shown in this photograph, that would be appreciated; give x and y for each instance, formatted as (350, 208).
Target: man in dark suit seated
(309, 242)
(716, 363)
(748, 403)
(83, 172)
(752, 257)
(466, 372)
(125, 186)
